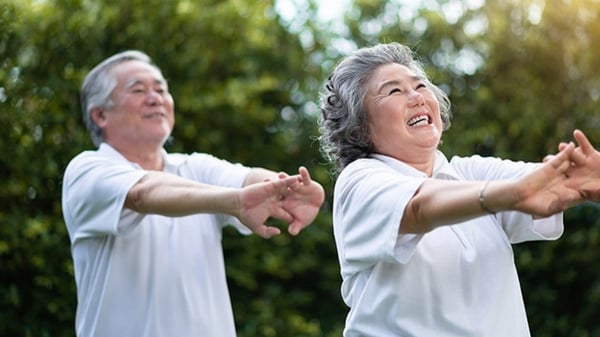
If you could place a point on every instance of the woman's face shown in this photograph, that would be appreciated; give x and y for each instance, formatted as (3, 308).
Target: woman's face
(403, 115)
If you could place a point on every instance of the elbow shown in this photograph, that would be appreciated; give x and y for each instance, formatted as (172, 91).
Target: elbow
(414, 220)
(134, 200)
(138, 195)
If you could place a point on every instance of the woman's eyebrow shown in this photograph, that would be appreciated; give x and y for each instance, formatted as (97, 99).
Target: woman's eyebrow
(390, 83)
(414, 78)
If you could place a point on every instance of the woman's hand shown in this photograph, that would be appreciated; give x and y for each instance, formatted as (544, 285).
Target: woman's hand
(584, 173)
(549, 189)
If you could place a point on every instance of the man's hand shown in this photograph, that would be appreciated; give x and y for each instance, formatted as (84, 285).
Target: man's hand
(260, 201)
(303, 201)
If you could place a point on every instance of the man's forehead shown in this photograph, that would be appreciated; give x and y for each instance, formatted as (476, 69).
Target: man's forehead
(136, 72)
(133, 81)
(136, 66)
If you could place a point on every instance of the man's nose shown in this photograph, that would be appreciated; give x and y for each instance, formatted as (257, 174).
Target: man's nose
(154, 98)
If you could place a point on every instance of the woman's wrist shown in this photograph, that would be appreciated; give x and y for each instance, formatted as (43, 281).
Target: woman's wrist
(482, 201)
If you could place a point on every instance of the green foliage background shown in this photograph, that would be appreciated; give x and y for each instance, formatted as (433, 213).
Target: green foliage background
(521, 75)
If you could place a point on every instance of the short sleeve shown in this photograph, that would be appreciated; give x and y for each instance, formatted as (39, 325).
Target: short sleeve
(518, 226)
(94, 192)
(369, 202)
(521, 227)
(490, 168)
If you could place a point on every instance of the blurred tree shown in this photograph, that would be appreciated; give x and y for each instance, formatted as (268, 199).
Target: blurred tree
(239, 79)
(521, 75)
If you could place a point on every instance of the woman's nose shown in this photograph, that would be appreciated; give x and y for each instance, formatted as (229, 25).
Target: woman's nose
(415, 98)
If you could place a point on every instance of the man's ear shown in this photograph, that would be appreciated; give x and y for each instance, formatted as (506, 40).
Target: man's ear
(98, 116)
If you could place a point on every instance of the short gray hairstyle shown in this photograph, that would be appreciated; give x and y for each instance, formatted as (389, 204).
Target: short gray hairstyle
(344, 135)
(99, 84)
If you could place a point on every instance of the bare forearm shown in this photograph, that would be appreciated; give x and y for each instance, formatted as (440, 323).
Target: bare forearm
(161, 193)
(441, 202)
(541, 193)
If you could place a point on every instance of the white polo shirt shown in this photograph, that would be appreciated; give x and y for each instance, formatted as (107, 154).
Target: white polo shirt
(457, 280)
(146, 275)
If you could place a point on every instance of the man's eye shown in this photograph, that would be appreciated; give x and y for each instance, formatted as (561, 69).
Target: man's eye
(395, 90)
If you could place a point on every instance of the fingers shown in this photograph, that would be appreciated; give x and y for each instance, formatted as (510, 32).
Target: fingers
(304, 175)
(295, 227)
(267, 232)
(562, 146)
(586, 149)
(295, 200)
(583, 142)
(564, 167)
(287, 181)
(547, 158)
(563, 156)
(579, 156)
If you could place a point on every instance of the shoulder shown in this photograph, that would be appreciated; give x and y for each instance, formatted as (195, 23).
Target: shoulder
(362, 167)
(206, 168)
(104, 153)
(85, 159)
(377, 173)
(482, 168)
(378, 164)
(95, 164)
(194, 158)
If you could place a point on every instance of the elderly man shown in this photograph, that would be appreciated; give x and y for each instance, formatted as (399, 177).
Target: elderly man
(146, 225)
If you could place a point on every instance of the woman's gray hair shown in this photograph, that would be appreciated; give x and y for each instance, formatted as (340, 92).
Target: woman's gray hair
(99, 84)
(343, 121)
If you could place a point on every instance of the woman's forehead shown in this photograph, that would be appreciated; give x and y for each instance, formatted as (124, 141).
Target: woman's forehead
(392, 74)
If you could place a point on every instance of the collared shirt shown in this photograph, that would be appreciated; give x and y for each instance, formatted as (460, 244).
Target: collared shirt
(457, 280)
(146, 275)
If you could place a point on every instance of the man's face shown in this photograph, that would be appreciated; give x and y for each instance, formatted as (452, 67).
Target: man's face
(142, 113)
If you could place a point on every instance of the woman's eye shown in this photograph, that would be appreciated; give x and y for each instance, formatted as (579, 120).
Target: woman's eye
(395, 90)
(420, 85)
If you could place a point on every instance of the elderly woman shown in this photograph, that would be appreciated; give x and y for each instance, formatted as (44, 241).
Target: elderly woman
(424, 243)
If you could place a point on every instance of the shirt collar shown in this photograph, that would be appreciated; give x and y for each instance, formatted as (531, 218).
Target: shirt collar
(171, 163)
(441, 167)
(108, 150)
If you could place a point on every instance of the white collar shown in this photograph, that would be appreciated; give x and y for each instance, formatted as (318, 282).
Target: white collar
(171, 162)
(441, 167)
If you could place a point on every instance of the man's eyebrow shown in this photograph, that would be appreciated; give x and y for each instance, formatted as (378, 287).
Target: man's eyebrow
(136, 81)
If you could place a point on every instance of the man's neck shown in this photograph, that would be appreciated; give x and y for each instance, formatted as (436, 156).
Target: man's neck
(149, 158)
